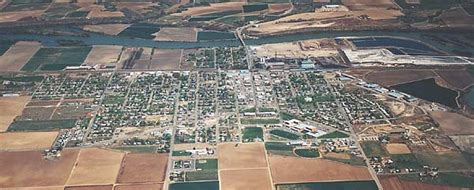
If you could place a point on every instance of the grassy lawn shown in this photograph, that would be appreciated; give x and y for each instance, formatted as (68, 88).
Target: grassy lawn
(23, 78)
(450, 160)
(450, 179)
(180, 153)
(137, 149)
(201, 175)
(354, 160)
(42, 125)
(284, 134)
(287, 116)
(335, 134)
(279, 148)
(250, 133)
(259, 121)
(406, 161)
(206, 164)
(308, 153)
(56, 58)
(372, 148)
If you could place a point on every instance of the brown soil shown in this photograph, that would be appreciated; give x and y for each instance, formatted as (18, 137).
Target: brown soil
(453, 123)
(18, 55)
(394, 77)
(398, 148)
(157, 186)
(394, 183)
(11, 107)
(96, 166)
(245, 179)
(165, 59)
(90, 187)
(29, 169)
(459, 79)
(313, 170)
(143, 168)
(27, 140)
(185, 34)
(247, 155)
(110, 29)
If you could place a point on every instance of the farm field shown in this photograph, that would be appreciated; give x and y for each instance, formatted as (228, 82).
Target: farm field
(18, 55)
(27, 141)
(372, 148)
(395, 183)
(459, 79)
(90, 187)
(247, 179)
(103, 55)
(165, 59)
(351, 185)
(17, 15)
(398, 148)
(213, 8)
(444, 160)
(11, 108)
(156, 186)
(96, 166)
(17, 169)
(210, 185)
(139, 30)
(110, 29)
(243, 156)
(53, 59)
(453, 123)
(185, 34)
(45, 125)
(143, 168)
(314, 170)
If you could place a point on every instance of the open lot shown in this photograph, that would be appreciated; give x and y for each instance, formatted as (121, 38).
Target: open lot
(243, 156)
(103, 55)
(27, 141)
(165, 59)
(453, 123)
(394, 77)
(96, 166)
(143, 168)
(18, 55)
(245, 179)
(176, 34)
(459, 79)
(398, 148)
(11, 107)
(110, 29)
(29, 169)
(313, 170)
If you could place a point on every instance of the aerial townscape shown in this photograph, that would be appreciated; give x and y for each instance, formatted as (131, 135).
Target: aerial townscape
(237, 94)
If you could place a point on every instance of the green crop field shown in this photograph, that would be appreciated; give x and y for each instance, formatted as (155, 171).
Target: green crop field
(42, 125)
(5, 45)
(372, 148)
(308, 153)
(201, 175)
(284, 134)
(25, 7)
(209, 185)
(346, 185)
(77, 14)
(51, 59)
(447, 161)
(250, 133)
(23, 78)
